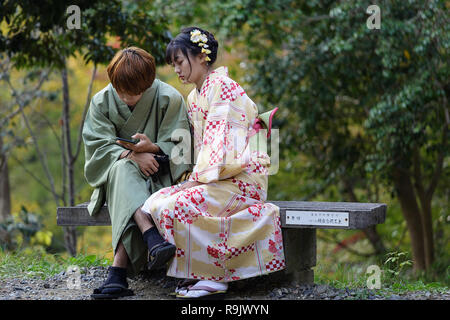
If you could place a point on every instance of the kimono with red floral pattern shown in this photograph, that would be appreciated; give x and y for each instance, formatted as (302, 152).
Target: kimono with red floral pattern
(223, 229)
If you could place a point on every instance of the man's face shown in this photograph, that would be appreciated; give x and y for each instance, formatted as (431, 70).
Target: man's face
(129, 100)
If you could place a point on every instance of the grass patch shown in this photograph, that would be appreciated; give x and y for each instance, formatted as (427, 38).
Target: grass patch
(354, 276)
(37, 263)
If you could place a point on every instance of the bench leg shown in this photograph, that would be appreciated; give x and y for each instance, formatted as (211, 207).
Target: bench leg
(300, 254)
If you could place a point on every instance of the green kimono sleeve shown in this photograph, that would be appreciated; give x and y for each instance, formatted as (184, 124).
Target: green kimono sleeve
(101, 150)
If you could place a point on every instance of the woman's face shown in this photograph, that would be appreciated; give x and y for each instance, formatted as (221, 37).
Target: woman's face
(189, 73)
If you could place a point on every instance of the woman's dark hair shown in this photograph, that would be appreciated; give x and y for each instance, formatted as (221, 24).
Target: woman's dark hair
(183, 43)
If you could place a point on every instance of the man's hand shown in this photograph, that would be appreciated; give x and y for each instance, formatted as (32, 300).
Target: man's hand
(146, 161)
(144, 144)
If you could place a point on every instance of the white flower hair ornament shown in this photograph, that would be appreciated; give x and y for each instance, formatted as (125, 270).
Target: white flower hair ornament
(201, 39)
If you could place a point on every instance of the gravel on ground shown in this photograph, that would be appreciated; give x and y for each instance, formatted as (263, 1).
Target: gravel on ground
(158, 286)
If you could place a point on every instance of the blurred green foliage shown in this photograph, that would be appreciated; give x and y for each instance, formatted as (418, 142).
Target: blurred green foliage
(24, 229)
(38, 35)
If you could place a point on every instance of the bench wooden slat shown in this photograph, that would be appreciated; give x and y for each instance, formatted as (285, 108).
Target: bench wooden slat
(79, 216)
(360, 215)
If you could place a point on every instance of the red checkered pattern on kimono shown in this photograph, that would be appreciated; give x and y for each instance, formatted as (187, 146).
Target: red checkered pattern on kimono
(214, 124)
(180, 253)
(228, 92)
(235, 251)
(217, 155)
(193, 107)
(205, 278)
(275, 264)
(205, 87)
(197, 277)
(242, 186)
(239, 89)
(181, 216)
(258, 167)
(279, 222)
(213, 130)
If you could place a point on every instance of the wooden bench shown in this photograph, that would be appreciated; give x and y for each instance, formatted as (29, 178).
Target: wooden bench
(299, 221)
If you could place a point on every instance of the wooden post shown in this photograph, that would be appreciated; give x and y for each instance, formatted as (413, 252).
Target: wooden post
(300, 252)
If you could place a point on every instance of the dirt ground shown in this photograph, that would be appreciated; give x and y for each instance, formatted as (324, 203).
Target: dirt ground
(157, 286)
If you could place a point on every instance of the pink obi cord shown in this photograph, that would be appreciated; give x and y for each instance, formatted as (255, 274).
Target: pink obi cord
(258, 125)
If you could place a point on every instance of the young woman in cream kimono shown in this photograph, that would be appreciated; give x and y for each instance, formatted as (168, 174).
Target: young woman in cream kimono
(218, 219)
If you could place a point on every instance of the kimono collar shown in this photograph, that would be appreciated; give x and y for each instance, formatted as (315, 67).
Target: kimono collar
(221, 71)
(130, 119)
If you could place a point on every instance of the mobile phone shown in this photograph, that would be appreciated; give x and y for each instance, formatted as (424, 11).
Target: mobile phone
(126, 140)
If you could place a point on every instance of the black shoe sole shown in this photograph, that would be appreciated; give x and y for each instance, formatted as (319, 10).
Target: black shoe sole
(162, 256)
(103, 296)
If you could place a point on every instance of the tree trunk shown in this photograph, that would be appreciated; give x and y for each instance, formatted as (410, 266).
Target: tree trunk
(427, 227)
(375, 239)
(411, 212)
(70, 236)
(425, 197)
(5, 192)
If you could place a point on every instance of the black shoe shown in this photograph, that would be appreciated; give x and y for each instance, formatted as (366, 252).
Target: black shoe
(112, 291)
(160, 254)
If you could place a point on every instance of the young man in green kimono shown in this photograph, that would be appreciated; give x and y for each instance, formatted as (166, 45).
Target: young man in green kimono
(137, 106)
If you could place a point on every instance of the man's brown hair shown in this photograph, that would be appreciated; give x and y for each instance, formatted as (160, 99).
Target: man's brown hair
(132, 71)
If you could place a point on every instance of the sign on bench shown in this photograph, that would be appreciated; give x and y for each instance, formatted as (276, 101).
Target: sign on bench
(299, 221)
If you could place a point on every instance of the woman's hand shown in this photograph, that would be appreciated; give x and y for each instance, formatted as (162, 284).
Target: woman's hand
(146, 161)
(144, 144)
